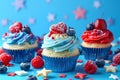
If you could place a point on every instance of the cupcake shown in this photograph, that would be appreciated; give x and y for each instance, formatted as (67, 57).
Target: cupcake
(20, 43)
(97, 40)
(60, 48)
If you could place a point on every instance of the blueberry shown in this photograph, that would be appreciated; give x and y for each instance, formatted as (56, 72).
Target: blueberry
(117, 51)
(25, 66)
(26, 29)
(100, 63)
(31, 77)
(70, 31)
(90, 26)
(1, 63)
(3, 69)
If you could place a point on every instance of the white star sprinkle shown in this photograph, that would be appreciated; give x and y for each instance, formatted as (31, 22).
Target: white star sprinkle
(115, 77)
(51, 17)
(21, 73)
(97, 4)
(4, 22)
(31, 20)
(19, 4)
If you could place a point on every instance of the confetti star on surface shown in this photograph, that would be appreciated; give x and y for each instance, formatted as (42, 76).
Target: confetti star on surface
(80, 75)
(31, 20)
(21, 73)
(110, 21)
(19, 4)
(48, 1)
(51, 17)
(65, 17)
(79, 13)
(115, 77)
(111, 69)
(43, 72)
(97, 4)
(4, 22)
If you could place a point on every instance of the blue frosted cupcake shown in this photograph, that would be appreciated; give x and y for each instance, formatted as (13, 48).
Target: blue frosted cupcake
(60, 48)
(20, 43)
(97, 41)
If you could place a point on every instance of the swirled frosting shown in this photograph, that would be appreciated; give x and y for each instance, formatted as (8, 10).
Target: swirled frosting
(19, 38)
(97, 36)
(60, 44)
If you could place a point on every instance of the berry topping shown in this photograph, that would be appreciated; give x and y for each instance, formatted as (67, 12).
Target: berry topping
(116, 58)
(31, 77)
(90, 67)
(3, 69)
(100, 24)
(26, 29)
(25, 66)
(100, 63)
(37, 62)
(1, 51)
(117, 51)
(70, 31)
(90, 27)
(5, 58)
(59, 28)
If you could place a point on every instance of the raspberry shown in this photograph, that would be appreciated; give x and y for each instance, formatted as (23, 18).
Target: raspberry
(1, 51)
(90, 67)
(116, 58)
(37, 62)
(5, 58)
(59, 28)
(39, 52)
(12, 30)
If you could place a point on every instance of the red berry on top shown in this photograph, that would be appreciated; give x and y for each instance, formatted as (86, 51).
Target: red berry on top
(116, 59)
(37, 62)
(39, 52)
(12, 30)
(100, 24)
(90, 67)
(1, 51)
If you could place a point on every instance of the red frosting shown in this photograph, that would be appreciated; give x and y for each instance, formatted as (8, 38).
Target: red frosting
(97, 36)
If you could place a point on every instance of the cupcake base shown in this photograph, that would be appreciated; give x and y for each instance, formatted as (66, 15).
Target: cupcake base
(19, 56)
(65, 64)
(96, 53)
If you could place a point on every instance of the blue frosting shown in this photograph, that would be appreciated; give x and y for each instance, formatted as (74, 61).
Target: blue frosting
(59, 45)
(19, 38)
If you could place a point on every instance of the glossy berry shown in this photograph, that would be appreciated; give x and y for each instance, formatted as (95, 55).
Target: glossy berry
(31, 77)
(5, 58)
(100, 63)
(12, 30)
(3, 69)
(37, 62)
(16, 27)
(1, 51)
(90, 27)
(117, 51)
(90, 67)
(70, 32)
(100, 24)
(26, 29)
(25, 66)
(39, 52)
(116, 59)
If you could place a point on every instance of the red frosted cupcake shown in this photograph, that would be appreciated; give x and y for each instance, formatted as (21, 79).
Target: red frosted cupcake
(97, 40)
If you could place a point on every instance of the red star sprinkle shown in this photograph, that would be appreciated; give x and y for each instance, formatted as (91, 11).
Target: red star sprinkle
(80, 75)
(11, 74)
(79, 61)
(62, 75)
(79, 13)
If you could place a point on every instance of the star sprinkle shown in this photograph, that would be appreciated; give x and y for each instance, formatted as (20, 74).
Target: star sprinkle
(51, 17)
(115, 77)
(48, 1)
(43, 72)
(79, 13)
(110, 21)
(4, 22)
(31, 20)
(80, 75)
(65, 17)
(21, 73)
(97, 4)
(62, 75)
(19, 4)
(111, 69)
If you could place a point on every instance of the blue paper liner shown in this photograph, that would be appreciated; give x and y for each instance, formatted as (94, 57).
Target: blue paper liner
(96, 53)
(19, 56)
(65, 64)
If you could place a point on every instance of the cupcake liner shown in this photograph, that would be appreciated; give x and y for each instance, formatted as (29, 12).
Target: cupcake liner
(95, 53)
(65, 64)
(19, 56)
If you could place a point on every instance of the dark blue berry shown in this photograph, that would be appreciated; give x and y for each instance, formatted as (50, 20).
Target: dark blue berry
(70, 31)
(100, 63)
(117, 51)
(1, 63)
(90, 27)
(3, 69)
(25, 66)
(26, 29)
(31, 77)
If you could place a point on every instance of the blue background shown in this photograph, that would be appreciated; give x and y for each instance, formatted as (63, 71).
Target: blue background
(39, 10)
